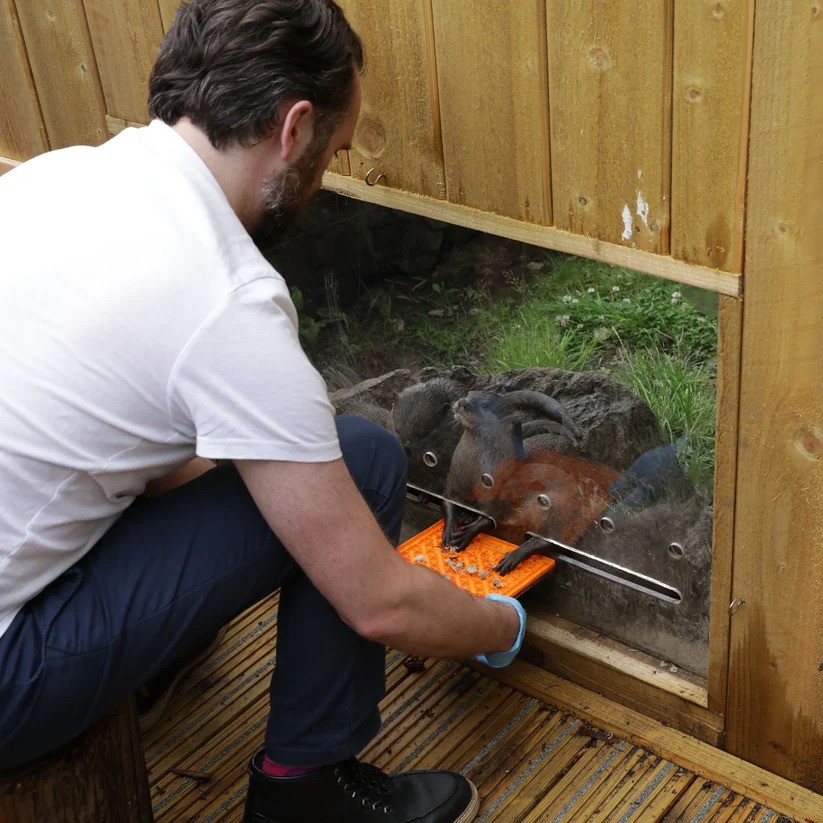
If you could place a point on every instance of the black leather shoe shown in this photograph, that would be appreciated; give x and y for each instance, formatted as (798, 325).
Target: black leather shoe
(354, 792)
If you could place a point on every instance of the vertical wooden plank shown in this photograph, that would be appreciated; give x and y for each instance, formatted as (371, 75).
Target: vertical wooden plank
(399, 130)
(340, 164)
(610, 95)
(126, 35)
(730, 330)
(774, 715)
(64, 71)
(493, 89)
(168, 8)
(712, 80)
(22, 130)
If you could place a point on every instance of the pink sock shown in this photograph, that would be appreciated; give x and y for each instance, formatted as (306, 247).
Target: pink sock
(272, 769)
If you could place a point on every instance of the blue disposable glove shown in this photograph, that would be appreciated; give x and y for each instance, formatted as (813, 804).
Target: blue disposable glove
(497, 660)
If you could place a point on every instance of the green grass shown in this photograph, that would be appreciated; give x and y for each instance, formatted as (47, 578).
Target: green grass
(682, 397)
(546, 309)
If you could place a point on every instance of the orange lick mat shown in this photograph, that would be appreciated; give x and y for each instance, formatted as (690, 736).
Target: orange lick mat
(481, 555)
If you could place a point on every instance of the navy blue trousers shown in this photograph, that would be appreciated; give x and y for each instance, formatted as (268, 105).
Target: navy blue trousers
(169, 573)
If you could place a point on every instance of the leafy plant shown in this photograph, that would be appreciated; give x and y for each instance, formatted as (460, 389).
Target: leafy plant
(682, 397)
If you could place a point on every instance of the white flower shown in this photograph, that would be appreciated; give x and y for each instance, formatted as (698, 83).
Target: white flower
(675, 301)
(626, 300)
(676, 295)
(614, 289)
(590, 290)
(562, 320)
(567, 298)
(574, 300)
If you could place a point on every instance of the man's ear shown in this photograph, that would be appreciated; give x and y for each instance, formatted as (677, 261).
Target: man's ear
(297, 130)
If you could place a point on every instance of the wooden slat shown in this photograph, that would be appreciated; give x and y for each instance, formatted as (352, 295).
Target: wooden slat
(619, 673)
(776, 674)
(7, 164)
(126, 37)
(22, 130)
(168, 8)
(100, 775)
(64, 70)
(116, 124)
(495, 110)
(730, 329)
(745, 778)
(399, 130)
(526, 757)
(712, 76)
(610, 93)
(340, 164)
(544, 236)
(627, 787)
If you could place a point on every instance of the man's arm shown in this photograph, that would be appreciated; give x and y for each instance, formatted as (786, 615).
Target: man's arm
(188, 471)
(320, 516)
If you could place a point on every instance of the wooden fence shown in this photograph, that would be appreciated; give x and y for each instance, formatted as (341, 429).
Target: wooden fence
(676, 137)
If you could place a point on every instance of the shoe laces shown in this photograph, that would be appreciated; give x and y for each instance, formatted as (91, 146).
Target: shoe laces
(366, 784)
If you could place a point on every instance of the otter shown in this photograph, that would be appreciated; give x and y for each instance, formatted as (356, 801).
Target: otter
(654, 480)
(423, 421)
(519, 487)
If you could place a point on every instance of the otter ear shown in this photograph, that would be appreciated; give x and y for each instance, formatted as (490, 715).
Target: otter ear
(297, 130)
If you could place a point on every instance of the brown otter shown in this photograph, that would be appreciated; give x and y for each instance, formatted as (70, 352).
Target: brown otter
(520, 487)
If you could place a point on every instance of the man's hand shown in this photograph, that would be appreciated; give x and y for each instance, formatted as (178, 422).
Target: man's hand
(320, 516)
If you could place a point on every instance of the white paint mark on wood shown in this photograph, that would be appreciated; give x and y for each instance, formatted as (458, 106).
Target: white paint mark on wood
(627, 222)
(642, 208)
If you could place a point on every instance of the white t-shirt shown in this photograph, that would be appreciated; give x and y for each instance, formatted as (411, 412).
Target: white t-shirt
(139, 326)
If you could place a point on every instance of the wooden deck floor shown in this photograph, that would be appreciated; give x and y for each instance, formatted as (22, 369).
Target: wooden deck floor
(530, 761)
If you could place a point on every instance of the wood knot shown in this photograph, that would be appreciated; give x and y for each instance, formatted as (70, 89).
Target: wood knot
(808, 443)
(599, 58)
(371, 137)
(694, 94)
(718, 11)
(782, 228)
(582, 200)
(815, 11)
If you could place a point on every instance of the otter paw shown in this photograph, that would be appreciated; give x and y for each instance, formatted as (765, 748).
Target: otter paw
(507, 564)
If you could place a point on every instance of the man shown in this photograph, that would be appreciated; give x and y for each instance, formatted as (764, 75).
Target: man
(140, 328)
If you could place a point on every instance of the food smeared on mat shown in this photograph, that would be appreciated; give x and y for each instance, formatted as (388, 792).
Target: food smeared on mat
(473, 568)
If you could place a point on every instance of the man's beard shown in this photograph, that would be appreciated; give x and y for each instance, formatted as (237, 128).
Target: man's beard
(286, 197)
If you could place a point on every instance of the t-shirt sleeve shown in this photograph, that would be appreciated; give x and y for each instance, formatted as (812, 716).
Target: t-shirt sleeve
(244, 389)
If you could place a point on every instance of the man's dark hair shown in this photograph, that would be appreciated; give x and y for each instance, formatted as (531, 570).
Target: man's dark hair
(229, 64)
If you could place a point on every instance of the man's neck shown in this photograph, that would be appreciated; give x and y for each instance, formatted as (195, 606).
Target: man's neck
(238, 170)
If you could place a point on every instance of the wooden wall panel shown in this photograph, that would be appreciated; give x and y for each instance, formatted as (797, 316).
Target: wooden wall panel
(168, 8)
(494, 106)
(712, 75)
(22, 130)
(730, 326)
(610, 95)
(399, 130)
(64, 71)
(774, 712)
(126, 36)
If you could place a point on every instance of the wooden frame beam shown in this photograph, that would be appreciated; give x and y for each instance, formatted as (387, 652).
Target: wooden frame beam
(544, 236)
(7, 164)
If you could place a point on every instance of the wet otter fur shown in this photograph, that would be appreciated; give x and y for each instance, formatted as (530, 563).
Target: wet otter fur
(495, 469)
(423, 421)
